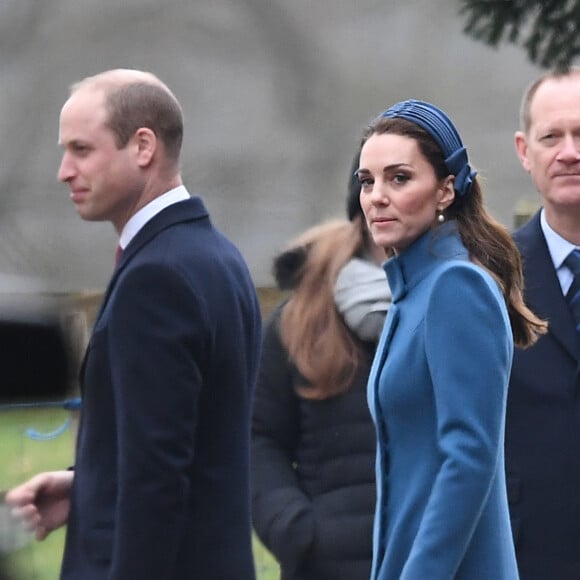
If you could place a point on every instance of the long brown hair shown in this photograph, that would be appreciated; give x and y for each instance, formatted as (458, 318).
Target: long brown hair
(315, 334)
(488, 242)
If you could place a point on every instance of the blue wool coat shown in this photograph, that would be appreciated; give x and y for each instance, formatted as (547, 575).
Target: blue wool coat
(437, 392)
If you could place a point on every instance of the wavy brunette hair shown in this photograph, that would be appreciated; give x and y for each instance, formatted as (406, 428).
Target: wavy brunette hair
(488, 242)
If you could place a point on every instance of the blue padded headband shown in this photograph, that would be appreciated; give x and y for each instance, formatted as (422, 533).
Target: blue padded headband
(440, 127)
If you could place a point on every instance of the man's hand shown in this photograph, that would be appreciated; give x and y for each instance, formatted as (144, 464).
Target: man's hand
(43, 502)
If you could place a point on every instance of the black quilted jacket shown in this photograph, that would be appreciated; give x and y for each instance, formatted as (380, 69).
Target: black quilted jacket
(313, 471)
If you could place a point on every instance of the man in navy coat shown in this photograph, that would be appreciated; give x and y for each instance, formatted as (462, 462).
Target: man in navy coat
(543, 413)
(160, 489)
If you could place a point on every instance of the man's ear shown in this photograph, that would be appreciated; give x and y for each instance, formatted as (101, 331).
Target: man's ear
(521, 144)
(146, 145)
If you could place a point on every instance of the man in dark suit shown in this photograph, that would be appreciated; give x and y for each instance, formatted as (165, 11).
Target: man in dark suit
(543, 414)
(160, 489)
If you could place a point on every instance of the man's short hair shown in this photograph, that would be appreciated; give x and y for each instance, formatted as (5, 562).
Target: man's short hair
(530, 92)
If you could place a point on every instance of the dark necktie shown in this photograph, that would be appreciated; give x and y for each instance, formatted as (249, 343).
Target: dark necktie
(118, 254)
(573, 295)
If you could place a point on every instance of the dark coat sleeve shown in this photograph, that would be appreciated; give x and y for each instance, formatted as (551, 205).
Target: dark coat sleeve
(282, 513)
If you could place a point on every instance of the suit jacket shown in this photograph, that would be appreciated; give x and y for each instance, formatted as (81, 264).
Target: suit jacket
(161, 486)
(437, 392)
(543, 427)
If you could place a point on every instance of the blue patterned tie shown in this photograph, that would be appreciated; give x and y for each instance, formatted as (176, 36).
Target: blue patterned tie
(573, 295)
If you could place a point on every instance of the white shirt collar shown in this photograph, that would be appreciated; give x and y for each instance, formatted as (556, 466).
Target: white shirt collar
(137, 221)
(559, 249)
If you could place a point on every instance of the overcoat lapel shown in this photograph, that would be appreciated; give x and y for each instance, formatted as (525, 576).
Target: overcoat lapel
(542, 290)
(187, 210)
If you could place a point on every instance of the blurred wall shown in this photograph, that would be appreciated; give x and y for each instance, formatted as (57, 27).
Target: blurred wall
(275, 95)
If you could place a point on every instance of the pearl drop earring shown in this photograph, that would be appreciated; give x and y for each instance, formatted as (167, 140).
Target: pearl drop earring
(440, 217)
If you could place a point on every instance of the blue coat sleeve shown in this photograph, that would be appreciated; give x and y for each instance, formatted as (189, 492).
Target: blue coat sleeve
(469, 351)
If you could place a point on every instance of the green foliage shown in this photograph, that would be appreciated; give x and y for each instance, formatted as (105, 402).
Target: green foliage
(266, 566)
(22, 457)
(546, 29)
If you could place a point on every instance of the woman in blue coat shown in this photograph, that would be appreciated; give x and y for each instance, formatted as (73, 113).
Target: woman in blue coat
(437, 389)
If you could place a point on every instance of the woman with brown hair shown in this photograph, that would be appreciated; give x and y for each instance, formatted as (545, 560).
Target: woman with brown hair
(313, 440)
(438, 386)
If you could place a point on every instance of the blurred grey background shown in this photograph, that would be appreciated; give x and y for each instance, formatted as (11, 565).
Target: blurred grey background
(275, 96)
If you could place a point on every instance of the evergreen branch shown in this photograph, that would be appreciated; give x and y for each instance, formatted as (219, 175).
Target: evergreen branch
(546, 29)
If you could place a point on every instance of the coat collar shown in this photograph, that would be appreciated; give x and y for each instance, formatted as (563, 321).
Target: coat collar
(187, 210)
(416, 262)
(181, 211)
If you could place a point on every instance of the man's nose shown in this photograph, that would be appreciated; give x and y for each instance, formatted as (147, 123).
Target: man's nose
(570, 149)
(66, 169)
